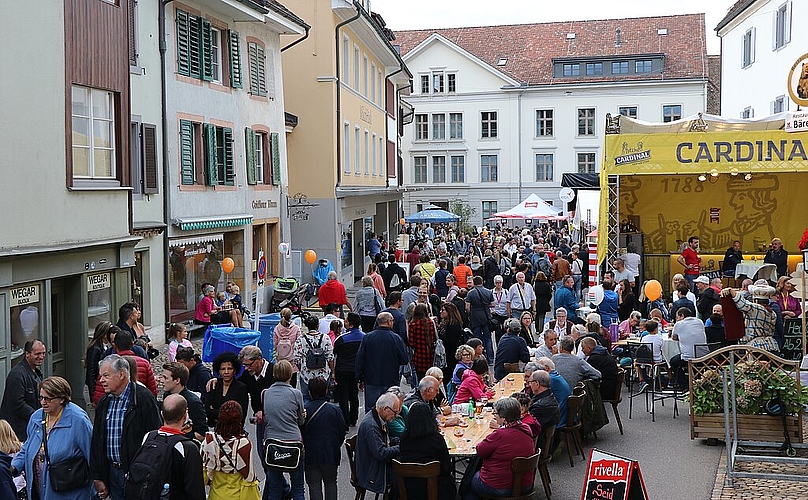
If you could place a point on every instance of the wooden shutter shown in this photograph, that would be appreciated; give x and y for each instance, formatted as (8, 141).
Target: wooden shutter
(187, 174)
(206, 50)
(194, 46)
(211, 163)
(275, 146)
(257, 61)
(235, 59)
(249, 154)
(132, 28)
(229, 167)
(183, 44)
(149, 144)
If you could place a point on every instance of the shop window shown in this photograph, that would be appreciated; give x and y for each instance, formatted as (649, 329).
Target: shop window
(99, 300)
(25, 326)
(192, 263)
(346, 242)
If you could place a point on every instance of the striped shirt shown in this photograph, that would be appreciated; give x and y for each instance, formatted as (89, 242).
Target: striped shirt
(115, 414)
(760, 323)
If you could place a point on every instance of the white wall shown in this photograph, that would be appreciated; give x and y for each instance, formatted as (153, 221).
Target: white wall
(760, 83)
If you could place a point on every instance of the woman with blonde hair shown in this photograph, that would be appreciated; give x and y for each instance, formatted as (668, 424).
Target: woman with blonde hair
(789, 306)
(11, 445)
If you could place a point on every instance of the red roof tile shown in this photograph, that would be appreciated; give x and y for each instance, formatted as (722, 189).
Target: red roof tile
(531, 48)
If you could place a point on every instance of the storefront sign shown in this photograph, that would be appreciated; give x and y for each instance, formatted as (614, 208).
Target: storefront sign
(613, 478)
(798, 81)
(796, 121)
(98, 281)
(24, 295)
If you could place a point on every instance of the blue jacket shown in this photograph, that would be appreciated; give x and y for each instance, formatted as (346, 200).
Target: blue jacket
(564, 297)
(561, 390)
(511, 349)
(379, 356)
(608, 308)
(374, 454)
(70, 437)
(323, 435)
(7, 487)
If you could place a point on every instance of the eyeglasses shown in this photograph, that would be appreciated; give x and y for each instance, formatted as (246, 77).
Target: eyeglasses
(395, 412)
(46, 398)
(247, 364)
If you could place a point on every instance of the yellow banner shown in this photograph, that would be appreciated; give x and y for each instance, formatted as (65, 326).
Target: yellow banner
(700, 152)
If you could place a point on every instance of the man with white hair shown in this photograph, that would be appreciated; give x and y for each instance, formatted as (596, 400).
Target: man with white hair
(333, 292)
(426, 392)
(521, 297)
(500, 310)
(380, 354)
(561, 325)
(560, 388)
(374, 451)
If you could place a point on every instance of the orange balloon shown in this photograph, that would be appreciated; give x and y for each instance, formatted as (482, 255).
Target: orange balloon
(653, 290)
(311, 256)
(228, 265)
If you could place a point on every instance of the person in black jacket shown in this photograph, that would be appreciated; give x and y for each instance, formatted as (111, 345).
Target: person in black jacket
(708, 297)
(20, 397)
(174, 378)
(421, 443)
(511, 348)
(393, 269)
(128, 409)
(323, 434)
(600, 359)
(198, 373)
(346, 346)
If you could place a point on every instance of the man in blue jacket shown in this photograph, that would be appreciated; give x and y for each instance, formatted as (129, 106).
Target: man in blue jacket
(511, 348)
(374, 446)
(565, 297)
(380, 354)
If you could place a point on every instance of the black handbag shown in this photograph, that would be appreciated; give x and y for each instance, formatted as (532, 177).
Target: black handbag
(282, 455)
(68, 474)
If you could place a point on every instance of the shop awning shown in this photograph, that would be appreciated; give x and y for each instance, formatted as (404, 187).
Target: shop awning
(195, 240)
(196, 223)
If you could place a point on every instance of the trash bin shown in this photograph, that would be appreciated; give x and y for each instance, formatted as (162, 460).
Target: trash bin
(219, 339)
(266, 325)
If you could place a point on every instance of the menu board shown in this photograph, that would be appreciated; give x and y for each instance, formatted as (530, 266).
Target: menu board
(792, 339)
(614, 478)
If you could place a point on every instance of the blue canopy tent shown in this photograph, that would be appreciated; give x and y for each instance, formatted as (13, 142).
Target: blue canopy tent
(433, 215)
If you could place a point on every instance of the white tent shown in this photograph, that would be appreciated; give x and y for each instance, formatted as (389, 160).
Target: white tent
(532, 208)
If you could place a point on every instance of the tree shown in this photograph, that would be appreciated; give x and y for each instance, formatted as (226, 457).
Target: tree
(466, 212)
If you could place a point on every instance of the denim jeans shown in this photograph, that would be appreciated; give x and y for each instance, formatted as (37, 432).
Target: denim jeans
(480, 489)
(116, 483)
(276, 486)
(577, 287)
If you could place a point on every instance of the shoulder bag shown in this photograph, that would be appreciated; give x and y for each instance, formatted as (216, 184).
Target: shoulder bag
(68, 474)
(279, 454)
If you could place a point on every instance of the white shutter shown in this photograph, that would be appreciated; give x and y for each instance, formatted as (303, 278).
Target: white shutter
(752, 46)
(787, 34)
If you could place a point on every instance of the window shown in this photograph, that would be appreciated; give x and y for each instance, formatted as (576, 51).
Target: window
(143, 147)
(437, 83)
(190, 160)
(455, 125)
(489, 209)
(544, 123)
(586, 163)
(357, 151)
(356, 68)
(620, 68)
(419, 170)
(381, 155)
(421, 127)
(260, 151)
(133, 39)
(257, 158)
(365, 75)
(438, 126)
(198, 51)
(630, 111)
(593, 69)
(346, 59)
(748, 49)
(544, 167)
(488, 168)
(458, 169)
(439, 169)
(642, 66)
(219, 155)
(489, 124)
(586, 121)
(367, 152)
(258, 76)
(373, 82)
(380, 82)
(373, 155)
(671, 112)
(451, 80)
(424, 84)
(782, 25)
(747, 113)
(571, 70)
(779, 104)
(346, 147)
(93, 132)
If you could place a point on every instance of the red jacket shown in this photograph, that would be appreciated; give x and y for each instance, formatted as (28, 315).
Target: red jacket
(332, 292)
(472, 387)
(498, 449)
(422, 339)
(145, 375)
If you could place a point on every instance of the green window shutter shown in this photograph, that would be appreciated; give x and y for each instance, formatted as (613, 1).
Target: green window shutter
(249, 154)
(229, 167)
(261, 70)
(149, 154)
(211, 165)
(206, 50)
(275, 146)
(235, 59)
(183, 44)
(194, 43)
(187, 153)
(252, 61)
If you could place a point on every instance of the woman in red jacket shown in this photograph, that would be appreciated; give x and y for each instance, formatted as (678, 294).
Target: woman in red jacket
(512, 439)
(473, 386)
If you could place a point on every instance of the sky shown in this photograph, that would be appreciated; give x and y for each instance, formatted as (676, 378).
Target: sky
(422, 14)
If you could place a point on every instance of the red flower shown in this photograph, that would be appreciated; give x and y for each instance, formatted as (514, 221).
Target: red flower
(804, 241)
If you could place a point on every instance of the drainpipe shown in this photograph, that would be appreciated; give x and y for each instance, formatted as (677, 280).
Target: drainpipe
(339, 94)
(519, 135)
(161, 21)
(298, 40)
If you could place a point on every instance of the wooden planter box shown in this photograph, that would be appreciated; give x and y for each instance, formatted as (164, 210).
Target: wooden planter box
(750, 427)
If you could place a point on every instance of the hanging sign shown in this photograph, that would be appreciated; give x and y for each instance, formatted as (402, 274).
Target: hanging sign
(24, 295)
(614, 478)
(98, 281)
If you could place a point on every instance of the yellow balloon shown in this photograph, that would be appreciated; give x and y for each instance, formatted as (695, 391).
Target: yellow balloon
(653, 290)
(311, 256)
(228, 265)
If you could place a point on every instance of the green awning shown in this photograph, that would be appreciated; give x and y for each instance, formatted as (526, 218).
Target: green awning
(193, 224)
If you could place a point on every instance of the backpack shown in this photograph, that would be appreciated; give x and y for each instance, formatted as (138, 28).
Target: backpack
(284, 349)
(504, 268)
(315, 356)
(151, 467)
(545, 267)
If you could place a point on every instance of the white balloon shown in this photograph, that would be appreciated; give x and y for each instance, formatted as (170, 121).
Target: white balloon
(596, 294)
(283, 247)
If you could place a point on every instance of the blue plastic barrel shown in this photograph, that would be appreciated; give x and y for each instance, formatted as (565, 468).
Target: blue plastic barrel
(221, 338)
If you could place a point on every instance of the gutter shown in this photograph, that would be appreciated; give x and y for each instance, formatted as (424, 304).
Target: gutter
(338, 44)
(161, 16)
(308, 28)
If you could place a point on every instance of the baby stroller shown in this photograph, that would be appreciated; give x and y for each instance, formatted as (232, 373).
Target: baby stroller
(288, 293)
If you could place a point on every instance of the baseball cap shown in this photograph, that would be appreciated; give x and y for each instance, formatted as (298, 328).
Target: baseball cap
(702, 279)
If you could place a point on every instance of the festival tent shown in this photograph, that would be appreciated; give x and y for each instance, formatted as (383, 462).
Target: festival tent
(433, 215)
(532, 208)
